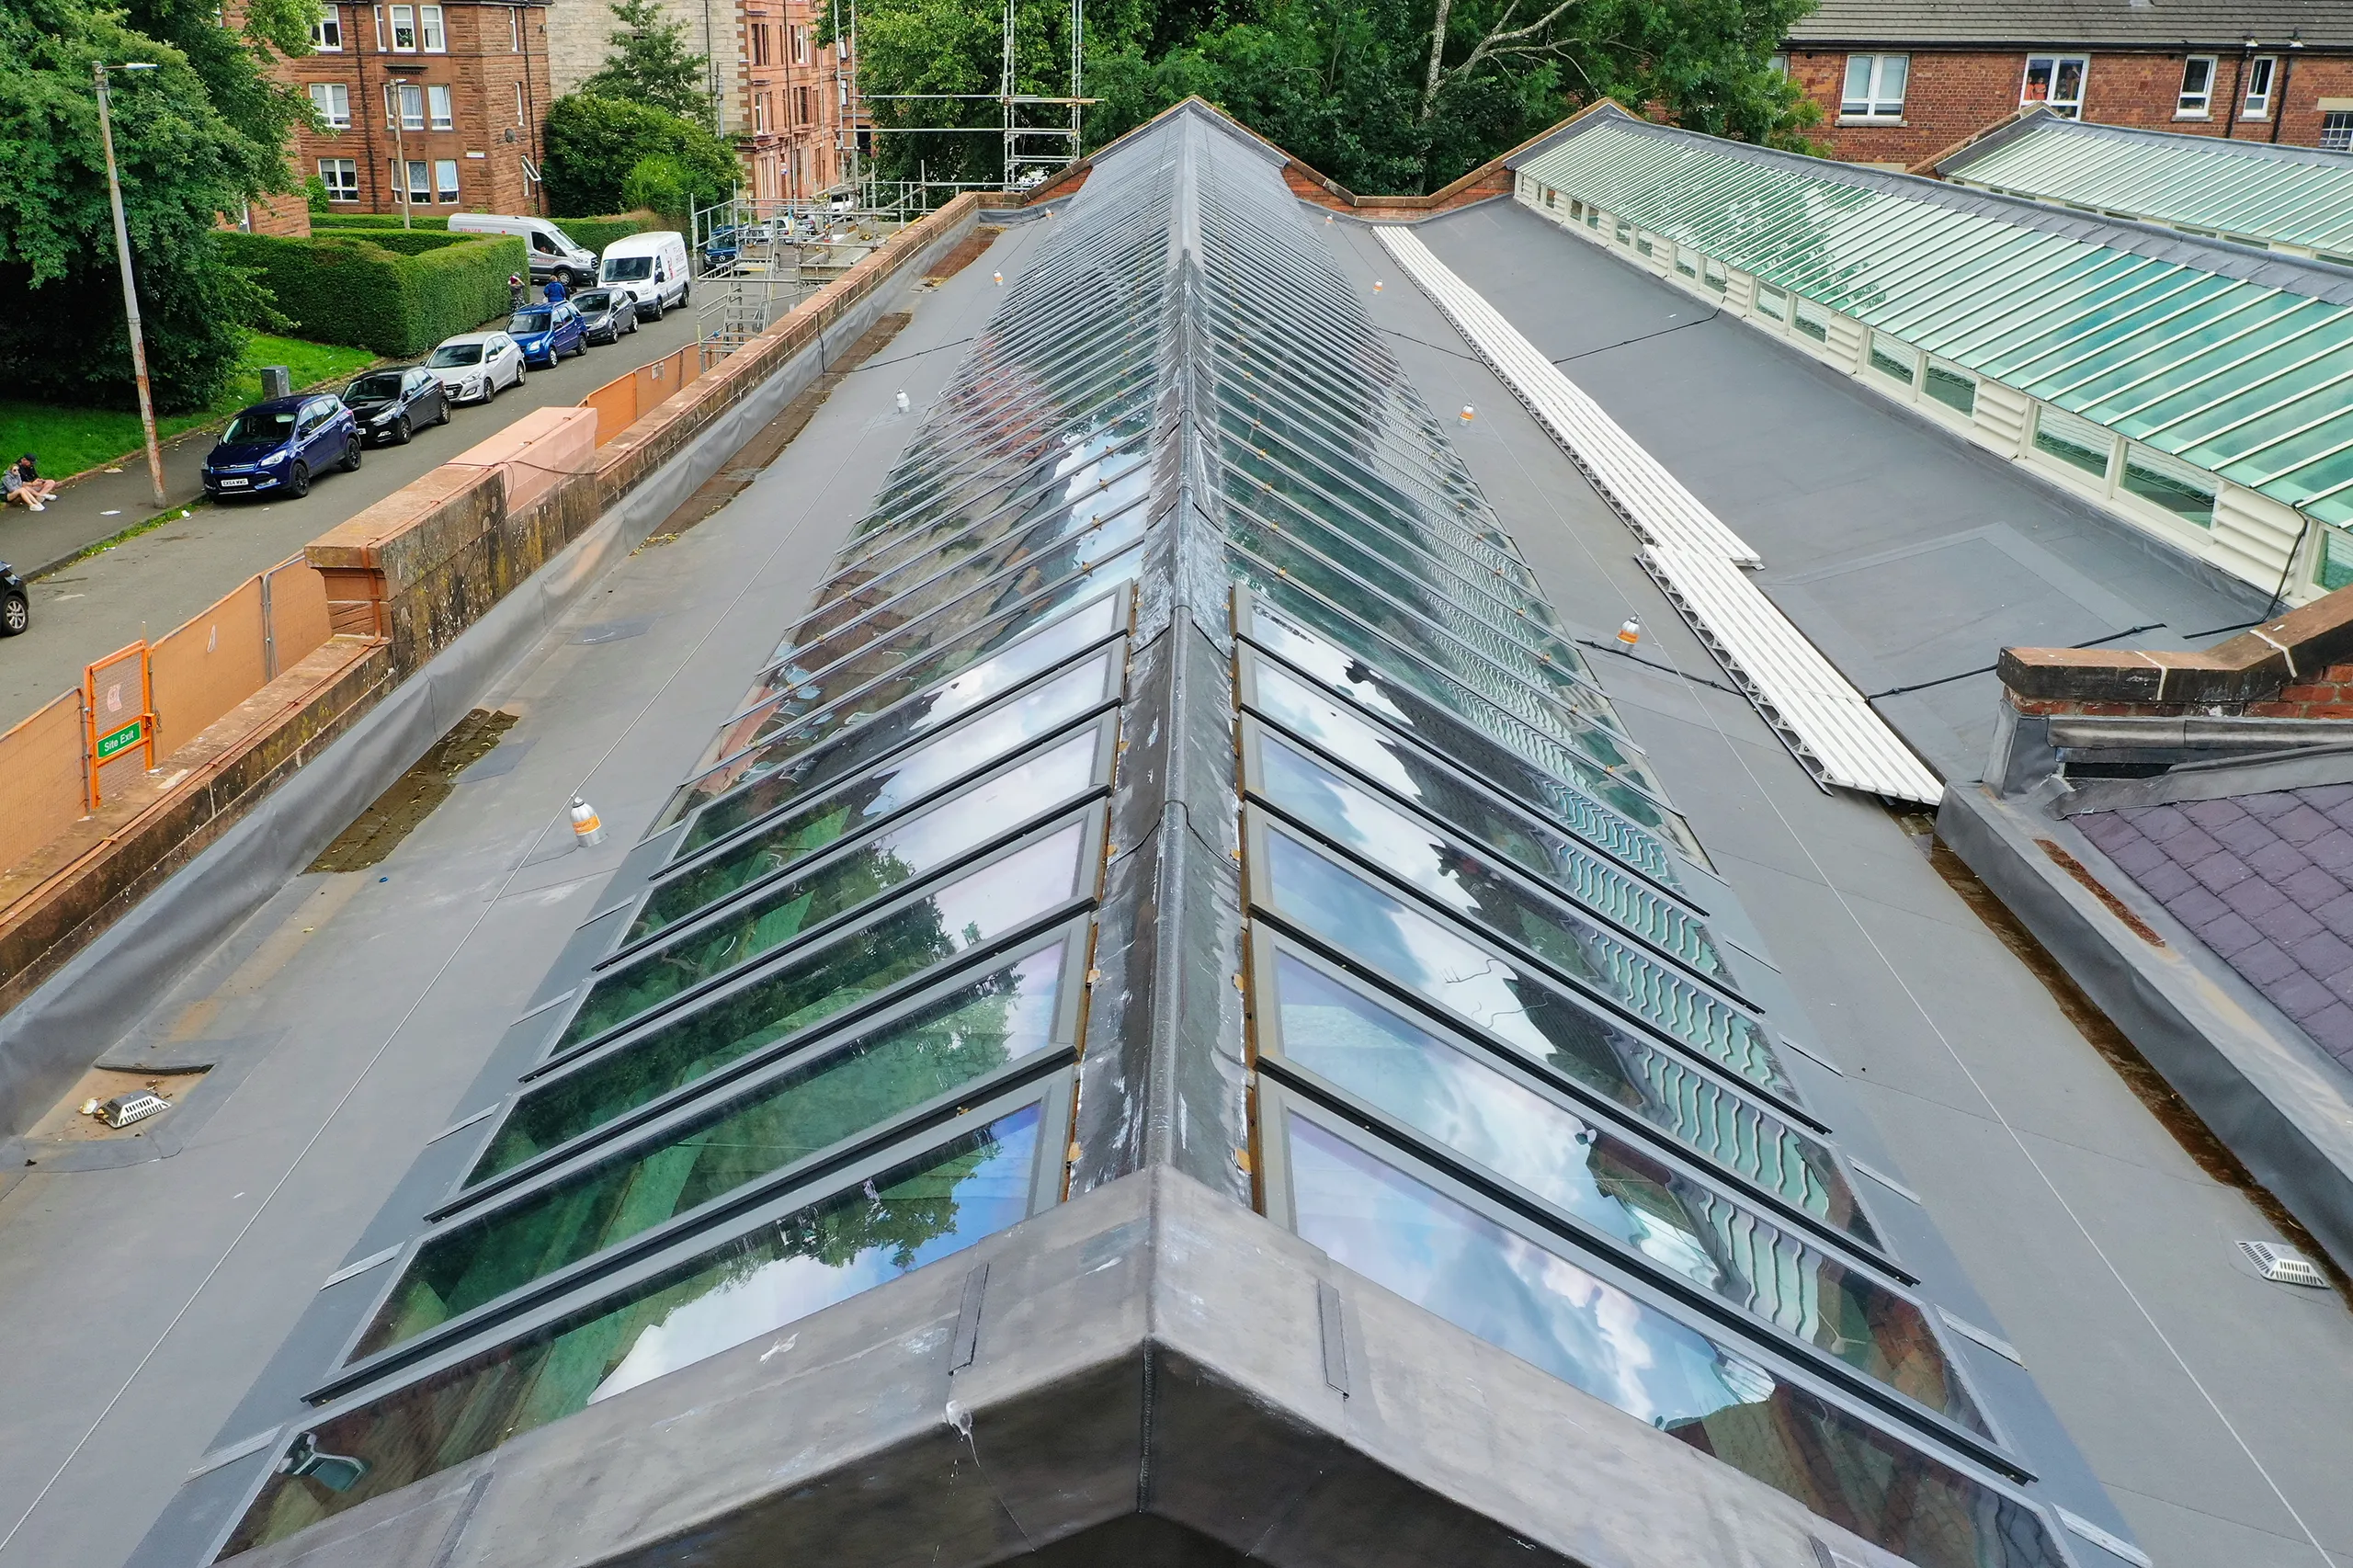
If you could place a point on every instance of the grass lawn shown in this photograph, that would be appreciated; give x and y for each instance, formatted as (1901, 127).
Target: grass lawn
(68, 440)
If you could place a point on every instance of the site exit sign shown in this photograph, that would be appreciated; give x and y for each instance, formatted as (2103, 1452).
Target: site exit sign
(122, 739)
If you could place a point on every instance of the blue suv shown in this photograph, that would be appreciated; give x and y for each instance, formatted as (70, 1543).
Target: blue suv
(548, 333)
(274, 447)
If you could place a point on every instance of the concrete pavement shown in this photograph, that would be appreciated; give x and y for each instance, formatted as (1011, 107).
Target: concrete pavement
(149, 585)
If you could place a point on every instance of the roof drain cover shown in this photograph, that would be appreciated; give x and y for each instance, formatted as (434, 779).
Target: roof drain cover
(2284, 1264)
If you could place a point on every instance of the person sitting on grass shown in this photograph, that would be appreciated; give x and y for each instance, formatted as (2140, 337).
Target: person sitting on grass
(44, 490)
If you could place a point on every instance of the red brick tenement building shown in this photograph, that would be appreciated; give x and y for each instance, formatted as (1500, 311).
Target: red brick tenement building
(799, 104)
(442, 102)
(787, 102)
(1901, 82)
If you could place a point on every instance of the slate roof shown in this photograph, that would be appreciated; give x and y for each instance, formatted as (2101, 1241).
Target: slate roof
(2164, 24)
(2264, 881)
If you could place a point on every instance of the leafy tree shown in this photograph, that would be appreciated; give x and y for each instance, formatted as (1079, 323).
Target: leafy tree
(594, 143)
(184, 160)
(649, 63)
(1383, 95)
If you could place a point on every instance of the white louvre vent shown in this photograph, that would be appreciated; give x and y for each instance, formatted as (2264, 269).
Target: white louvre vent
(2285, 1265)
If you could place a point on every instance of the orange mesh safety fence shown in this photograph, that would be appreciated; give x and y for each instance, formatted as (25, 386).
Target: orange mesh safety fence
(209, 667)
(43, 791)
(297, 601)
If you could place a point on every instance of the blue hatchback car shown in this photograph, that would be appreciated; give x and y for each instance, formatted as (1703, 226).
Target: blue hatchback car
(275, 447)
(548, 333)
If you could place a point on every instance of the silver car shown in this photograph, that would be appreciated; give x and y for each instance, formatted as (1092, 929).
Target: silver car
(475, 366)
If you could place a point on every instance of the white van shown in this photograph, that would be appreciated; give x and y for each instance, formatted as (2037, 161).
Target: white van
(652, 267)
(553, 252)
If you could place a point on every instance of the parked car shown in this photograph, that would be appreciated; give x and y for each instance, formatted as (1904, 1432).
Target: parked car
(607, 315)
(275, 447)
(390, 405)
(650, 265)
(473, 366)
(554, 254)
(15, 604)
(547, 332)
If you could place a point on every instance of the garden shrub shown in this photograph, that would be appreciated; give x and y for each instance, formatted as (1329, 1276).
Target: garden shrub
(343, 287)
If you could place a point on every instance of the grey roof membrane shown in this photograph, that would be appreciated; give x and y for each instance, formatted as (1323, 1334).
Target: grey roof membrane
(2149, 23)
(2264, 881)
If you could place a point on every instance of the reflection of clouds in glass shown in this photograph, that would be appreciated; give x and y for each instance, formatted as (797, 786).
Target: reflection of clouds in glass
(955, 826)
(1312, 653)
(1296, 708)
(1020, 885)
(1432, 1085)
(1516, 1295)
(993, 1195)
(1381, 930)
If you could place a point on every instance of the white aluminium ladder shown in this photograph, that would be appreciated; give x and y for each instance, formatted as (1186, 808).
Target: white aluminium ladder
(1827, 725)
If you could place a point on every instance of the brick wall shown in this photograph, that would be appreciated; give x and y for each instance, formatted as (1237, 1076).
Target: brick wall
(580, 35)
(490, 136)
(1955, 94)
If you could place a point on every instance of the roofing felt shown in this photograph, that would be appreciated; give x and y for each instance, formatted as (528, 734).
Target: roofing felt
(2241, 190)
(831, 1028)
(2184, 347)
(2151, 24)
(2265, 881)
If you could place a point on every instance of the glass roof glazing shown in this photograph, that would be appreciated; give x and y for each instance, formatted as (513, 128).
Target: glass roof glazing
(2249, 190)
(829, 1033)
(2247, 379)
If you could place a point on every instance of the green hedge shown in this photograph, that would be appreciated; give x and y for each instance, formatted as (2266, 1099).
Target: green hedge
(343, 288)
(400, 242)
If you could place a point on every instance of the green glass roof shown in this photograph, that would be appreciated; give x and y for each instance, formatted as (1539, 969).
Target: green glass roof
(2243, 190)
(2243, 378)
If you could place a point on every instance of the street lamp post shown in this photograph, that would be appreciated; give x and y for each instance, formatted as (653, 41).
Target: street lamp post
(98, 70)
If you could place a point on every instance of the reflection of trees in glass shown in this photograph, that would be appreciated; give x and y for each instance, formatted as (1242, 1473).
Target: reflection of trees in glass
(760, 925)
(825, 983)
(933, 1204)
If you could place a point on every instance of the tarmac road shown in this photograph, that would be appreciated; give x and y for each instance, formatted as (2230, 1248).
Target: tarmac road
(149, 585)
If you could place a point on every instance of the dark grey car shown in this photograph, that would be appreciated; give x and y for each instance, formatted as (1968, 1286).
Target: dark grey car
(16, 605)
(390, 405)
(607, 313)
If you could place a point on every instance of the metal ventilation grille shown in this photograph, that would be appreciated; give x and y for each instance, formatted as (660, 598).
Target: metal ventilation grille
(2285, 1265)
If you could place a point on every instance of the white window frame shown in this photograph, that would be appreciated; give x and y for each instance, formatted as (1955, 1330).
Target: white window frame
(420, 192)
(341, 176)
(332, 101)
(404, 19)
(444, 181)
(2071, 108)
(759, 114)
(514, 29)
(397, 99)
(2197, 104)
(1875, 101)
(2336, 131)
(2254, 103)
(438, 113)
(380, 29)
(800, 44)
(432, 36)
(326, 33)
(519, 111)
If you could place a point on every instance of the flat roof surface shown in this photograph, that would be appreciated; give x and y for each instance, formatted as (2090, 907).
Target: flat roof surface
(2243, 189)
(2209, 1402)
